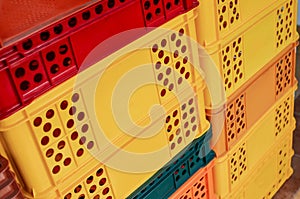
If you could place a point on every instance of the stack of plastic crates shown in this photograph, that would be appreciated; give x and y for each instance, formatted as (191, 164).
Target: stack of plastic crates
(253, 45)
(78, 126)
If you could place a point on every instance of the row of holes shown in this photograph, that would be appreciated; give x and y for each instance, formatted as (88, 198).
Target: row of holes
(282, 117)
(163, 43)
(158, 11)
(26, 84)
(175, 116)
(20, 73)
(282, 162)
(167, 170)
(192, 160)
(227, 63)
(56, 168)
(240, 126)
(93, 188)
(196, 146)
(280, 172)
(280, 22)
(34, 64)
(50, 113)
(200, 188)
(57, 131)
(86, 15)
(147, 4)
(72, 22)
(222, 12)
(61, 145)
(63, 49)
(166, 60)
(282, 80)
(175, 54)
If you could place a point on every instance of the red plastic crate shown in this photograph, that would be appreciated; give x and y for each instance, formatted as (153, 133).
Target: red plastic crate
(19, 16)
(34, 64)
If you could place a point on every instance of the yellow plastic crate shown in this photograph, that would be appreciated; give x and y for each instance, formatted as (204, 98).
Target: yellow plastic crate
(232, 169)
(267, 28)
(270, 174)
(221, 18)
(52, 141)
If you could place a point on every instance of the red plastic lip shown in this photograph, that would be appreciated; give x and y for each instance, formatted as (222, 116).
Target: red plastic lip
(3, 165)
(20, 86)
(18, 16)
(8, 186)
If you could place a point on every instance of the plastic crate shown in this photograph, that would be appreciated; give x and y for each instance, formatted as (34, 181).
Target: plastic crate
(232, 169)
(66, 119)
(200, 185)
(29, 18)
(98, 180)
(247, 49)
(17, 17)
(36, 63)
(219, 19)
(167, 180)
(250, 102)
(9, 189)
(270, 174)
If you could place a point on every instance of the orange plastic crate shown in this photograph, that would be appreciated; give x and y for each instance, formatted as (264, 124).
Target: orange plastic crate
(250, 102)
(199, 186)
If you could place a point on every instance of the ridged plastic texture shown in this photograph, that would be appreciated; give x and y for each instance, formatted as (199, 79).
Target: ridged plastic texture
(250, 102)
(21, 19)
(19, 16)
(262, 31)
(56, 134)
(166, 181)
(48, 56)
(269, 174)
(232, 169)
(199, 186)
(9, 189)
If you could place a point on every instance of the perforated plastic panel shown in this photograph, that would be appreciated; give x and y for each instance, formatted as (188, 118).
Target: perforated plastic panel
(228, 14)
(284, 23)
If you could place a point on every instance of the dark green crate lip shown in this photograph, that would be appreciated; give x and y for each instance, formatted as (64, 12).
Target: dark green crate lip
(203, 142)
